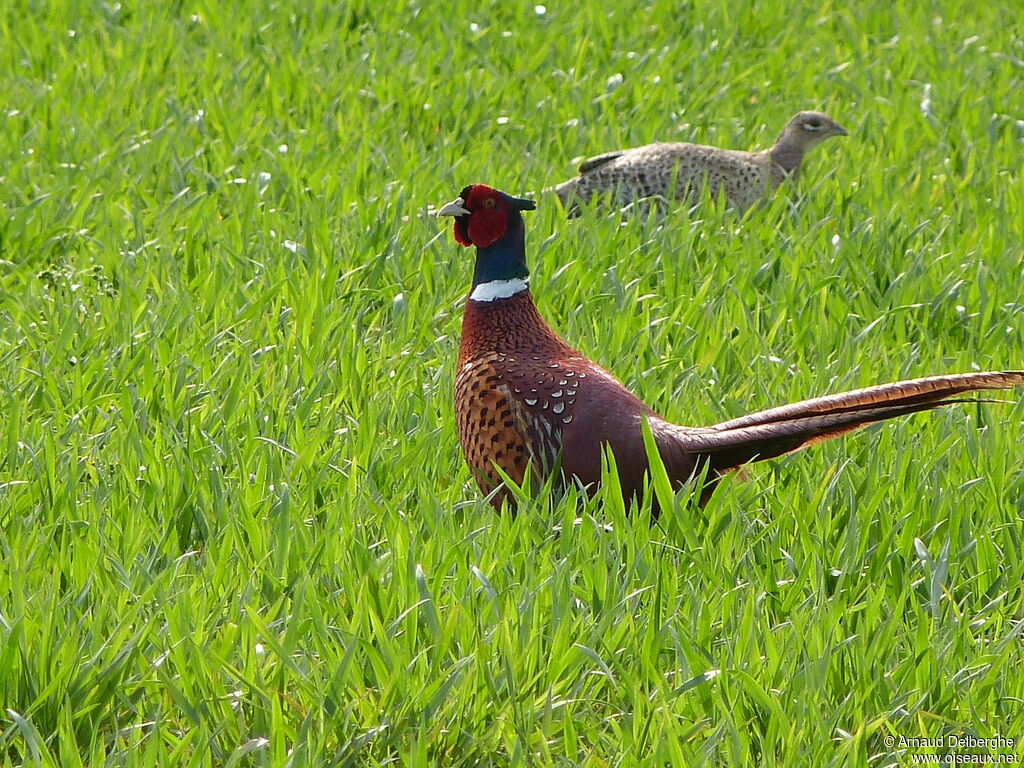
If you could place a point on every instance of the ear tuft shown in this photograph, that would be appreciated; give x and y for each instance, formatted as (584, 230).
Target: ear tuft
(522, 203)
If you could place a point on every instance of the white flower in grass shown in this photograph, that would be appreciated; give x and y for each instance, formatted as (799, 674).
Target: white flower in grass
(926, 102)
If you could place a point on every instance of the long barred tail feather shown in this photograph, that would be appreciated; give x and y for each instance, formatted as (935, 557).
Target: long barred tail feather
(777, 431)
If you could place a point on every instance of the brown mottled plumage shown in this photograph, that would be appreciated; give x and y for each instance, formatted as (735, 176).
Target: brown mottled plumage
(679, 170)
(525, 398)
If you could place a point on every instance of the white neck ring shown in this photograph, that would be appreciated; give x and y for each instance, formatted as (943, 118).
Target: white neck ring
(498, 289)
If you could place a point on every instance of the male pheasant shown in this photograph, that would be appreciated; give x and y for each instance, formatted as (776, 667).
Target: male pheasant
(526, 400)
(681, 170)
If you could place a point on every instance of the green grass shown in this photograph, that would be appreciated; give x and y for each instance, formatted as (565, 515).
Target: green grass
(235, 526)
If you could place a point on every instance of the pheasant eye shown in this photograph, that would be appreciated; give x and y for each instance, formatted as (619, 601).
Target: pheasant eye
(488, 202)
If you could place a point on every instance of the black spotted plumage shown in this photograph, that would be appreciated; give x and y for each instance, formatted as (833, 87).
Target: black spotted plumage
(681, 171)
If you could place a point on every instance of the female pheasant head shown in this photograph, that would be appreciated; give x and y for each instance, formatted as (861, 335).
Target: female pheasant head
(493, 222)
(812, 127)
(803, 131)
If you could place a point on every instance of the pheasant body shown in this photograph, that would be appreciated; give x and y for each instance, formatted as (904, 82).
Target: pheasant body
(525, 400)
(517, 391)
(681, 170)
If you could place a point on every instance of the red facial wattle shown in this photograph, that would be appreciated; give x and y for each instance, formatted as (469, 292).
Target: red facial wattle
(486, 226)
(461, 229)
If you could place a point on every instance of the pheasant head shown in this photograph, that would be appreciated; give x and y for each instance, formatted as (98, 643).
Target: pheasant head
(804, 131)
(493, 222)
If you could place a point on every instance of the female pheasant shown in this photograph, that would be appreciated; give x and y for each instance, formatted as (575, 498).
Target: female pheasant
(527, 401)
(681, 170)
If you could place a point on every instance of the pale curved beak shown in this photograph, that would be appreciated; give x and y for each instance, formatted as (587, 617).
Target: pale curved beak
(456, 207)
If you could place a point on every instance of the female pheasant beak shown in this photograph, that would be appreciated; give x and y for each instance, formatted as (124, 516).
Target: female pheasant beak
(456, 207)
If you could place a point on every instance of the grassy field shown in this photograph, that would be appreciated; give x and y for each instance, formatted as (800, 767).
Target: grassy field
(235, 525)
